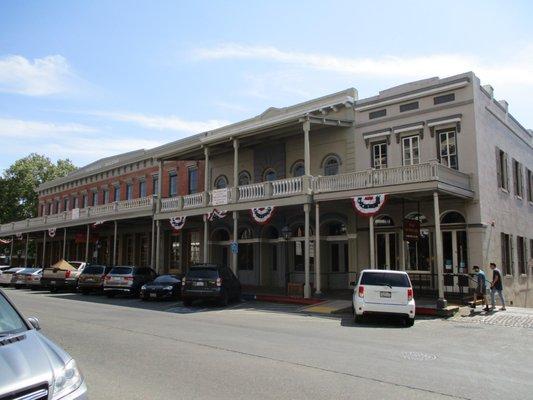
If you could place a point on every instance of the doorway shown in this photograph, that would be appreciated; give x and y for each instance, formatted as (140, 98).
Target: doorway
(386, 250)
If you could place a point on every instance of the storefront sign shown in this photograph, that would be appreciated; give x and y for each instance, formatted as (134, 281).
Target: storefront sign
(219, 196)
(411, 230)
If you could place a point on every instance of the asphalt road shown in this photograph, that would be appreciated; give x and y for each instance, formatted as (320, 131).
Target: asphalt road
(128, 349)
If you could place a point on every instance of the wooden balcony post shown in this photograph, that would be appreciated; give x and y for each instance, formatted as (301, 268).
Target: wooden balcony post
(441, 302)
(115, 244)
(206, 169)
(307, 283)
(371, 242)
(234, 259)
(159, 185)
(87, 237)
(206, 239)
(317, 250)
(157, 246)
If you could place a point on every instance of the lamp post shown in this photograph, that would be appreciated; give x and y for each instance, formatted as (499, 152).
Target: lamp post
(286, 233)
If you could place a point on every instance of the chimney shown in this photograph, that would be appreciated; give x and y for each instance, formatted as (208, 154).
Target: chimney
(489, 89)
(504, 105)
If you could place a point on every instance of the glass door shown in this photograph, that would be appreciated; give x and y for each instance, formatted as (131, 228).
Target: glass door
(386, 250)
(455, 256)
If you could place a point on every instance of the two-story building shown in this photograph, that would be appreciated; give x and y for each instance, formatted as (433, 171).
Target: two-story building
(431, 177)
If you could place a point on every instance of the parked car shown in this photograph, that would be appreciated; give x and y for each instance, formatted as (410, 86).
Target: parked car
(62, 275)
(384, 292)
(92, 278)
(33, 281)
(162, 287)
(20, 278)
(33, 367)
(7, 275)
(127, 279)
(210, 282)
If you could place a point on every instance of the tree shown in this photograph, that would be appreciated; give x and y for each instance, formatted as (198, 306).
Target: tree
(18, 185)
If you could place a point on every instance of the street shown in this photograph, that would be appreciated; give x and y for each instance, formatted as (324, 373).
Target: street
(128, 349)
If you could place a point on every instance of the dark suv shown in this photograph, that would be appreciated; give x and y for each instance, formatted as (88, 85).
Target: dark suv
(127, 279)
(210, 281)
(92, 278)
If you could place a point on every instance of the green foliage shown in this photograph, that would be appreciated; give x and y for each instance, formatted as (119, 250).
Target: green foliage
(18, 185)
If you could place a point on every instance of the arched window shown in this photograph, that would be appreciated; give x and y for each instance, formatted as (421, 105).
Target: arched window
(269, 175)
(383, 220)
(221, 182)
(331, 165)
(298, 169)
(418, 217)
(452, 217)
(244, 178)
(336, 228)
(246, 233)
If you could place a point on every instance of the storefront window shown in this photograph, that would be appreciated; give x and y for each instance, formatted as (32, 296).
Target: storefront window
(194, 249)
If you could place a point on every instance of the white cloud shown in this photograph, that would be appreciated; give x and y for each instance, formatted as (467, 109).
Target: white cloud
(22, 129)
(45, 76)
(515, 70)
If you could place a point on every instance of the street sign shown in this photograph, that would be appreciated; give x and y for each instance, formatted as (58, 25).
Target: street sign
(234, 246)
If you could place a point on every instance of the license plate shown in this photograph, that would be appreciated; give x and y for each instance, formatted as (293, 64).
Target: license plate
(199, 284)
(385, 294)
(153, 294)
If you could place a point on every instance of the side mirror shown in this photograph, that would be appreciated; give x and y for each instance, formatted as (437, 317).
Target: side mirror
(35, 323)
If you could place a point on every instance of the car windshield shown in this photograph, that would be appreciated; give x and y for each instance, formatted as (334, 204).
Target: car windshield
(121, 271)
(166, 279)
(203, 273)
(10, 321)
(385, 279)
(93, 269)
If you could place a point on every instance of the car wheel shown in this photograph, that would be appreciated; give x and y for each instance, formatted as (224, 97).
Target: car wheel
(409, 321)
(187, 302)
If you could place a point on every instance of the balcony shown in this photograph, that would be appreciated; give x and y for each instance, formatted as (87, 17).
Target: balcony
(118, 209)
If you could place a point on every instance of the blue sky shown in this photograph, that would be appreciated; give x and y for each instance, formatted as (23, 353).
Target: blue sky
(85, 80)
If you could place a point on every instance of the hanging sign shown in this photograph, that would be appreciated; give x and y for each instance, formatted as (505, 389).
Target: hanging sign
(368, 206)
(216, 214)
(262, 215)
(177, 222)
(219, 196)
(52, 232)
(411, 230)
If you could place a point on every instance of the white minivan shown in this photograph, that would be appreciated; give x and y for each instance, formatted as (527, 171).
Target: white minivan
(383, 292)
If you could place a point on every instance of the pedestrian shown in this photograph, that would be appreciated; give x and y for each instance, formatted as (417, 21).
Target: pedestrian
(481, 288)
(496, 286)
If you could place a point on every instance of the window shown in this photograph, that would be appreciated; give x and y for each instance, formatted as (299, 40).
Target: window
(49, 209)
(377, 114)
(501, 169)
(409, 106)
(244, 178)
(518, 179)
(142, 188)
(506, 253)
(452, 217)
(57, 206)
(172, 184)
(521, 252)
(221, 182)
(76, 202)
(448, 148)
(194, 247)
(529, 185)
(105, 196)
(298, 169)
(445, 98)
(192, 180)
(379, 155)
(129, 191)
(331, 166)
(155, 183)
(85, 201)
(95, 198)
(116, 194)
(410, 150)
(65, 204)
(43, 209)
(269, 175)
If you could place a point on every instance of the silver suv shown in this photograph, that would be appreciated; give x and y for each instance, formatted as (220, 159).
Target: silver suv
(32, 366)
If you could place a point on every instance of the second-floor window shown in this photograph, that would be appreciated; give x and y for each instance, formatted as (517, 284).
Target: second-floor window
(106, 196)
(116, 194)
(142, 189)
(221, 182)
(129, 191)
(501, 169)
(155, 183)
(57, 206)
(49, 209)
(76, 202)
(331, 166)
(85, 201)
(518, 179)
(244, 178)
(379, 155)
(411, 155)
(448, 148)
(298, 169)
(65, 204)
(529, 185)
(172, 184)
(269, 175)
(192, 180)
(95, 198)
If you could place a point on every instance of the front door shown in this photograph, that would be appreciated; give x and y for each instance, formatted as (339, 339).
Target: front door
(386, 250)
(454, 251)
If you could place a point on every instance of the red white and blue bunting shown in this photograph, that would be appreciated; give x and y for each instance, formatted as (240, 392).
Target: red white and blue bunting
(262, 215)
(368, 206)
(52, 232)
(177, 223)
(216, 214)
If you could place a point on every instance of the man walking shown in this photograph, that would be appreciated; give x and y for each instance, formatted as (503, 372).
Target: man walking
(496, 286)
(481, 289)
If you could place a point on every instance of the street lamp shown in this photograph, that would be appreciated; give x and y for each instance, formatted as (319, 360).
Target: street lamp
(286, 233)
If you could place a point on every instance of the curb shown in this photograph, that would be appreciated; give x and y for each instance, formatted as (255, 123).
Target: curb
(280, 299)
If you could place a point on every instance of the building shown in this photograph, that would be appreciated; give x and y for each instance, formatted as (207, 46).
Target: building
(453, 166)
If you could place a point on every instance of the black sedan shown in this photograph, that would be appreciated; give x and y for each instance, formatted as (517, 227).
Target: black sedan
(162, 287)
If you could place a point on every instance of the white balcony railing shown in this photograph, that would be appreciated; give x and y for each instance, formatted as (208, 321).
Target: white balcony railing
(254, 191)
(287, 187)
(193, 200)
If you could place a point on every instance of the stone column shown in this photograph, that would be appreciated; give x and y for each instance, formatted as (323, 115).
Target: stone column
(115, 243)
(371, 242)
(234, 258)
(307, 148)
(87, 237)
(317, 250)
(307, 284)
(441, 302)
(158, 246)
(152, 245)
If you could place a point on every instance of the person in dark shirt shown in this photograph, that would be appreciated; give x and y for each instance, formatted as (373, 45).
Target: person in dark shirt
(496, 286)
(481, 289)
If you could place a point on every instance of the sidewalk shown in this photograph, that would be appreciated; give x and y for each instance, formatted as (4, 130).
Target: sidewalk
(513, 317)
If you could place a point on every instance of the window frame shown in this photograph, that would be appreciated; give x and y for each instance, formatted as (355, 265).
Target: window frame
(220, 178)
(327, 160)
(172, 184)
(192, 172)
(518, 179)
(410, 139)
(448, 156)
(506, 253)
(268, 171)
(129, 191)
(373, 155)
(143, 189)
(521, 255)
(246, 174)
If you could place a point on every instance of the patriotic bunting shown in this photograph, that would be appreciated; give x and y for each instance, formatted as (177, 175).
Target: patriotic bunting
(368, 206)
(177, 223)
(52, 232)
(262, 215)
(216, 214)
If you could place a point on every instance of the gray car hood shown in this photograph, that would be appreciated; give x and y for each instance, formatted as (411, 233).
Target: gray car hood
(29, 362)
